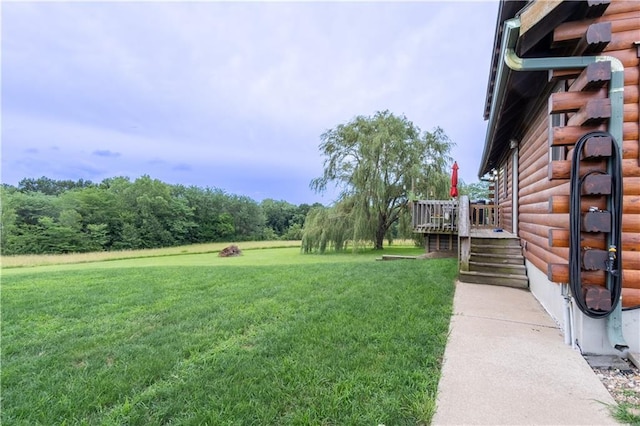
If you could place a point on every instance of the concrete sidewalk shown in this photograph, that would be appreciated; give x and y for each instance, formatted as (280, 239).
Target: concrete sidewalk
(506, 363)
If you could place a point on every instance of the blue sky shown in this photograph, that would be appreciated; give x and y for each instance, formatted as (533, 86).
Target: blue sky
(231, 95)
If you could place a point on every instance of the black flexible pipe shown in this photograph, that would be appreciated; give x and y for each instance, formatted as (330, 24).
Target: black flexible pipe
(614, 283)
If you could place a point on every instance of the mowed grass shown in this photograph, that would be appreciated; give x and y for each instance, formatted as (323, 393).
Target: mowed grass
(269, 338)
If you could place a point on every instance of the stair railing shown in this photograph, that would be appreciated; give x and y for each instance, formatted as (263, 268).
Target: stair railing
(484, 215)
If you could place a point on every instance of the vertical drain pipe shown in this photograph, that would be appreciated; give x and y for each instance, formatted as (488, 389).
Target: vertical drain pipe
(515, 185)
(566, 305)
(511, 33)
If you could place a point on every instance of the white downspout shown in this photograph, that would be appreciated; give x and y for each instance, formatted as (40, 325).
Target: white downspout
(515, 187)
(567, 314)
(510, 35)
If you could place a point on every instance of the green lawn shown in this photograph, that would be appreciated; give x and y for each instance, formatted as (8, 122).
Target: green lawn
(269, 338)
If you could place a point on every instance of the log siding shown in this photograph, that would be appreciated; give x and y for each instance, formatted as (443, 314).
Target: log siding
(544, 184)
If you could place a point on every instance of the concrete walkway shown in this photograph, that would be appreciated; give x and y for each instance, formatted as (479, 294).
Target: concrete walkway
(506, 363)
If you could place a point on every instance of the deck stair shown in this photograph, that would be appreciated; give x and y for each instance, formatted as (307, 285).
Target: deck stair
(496, 261)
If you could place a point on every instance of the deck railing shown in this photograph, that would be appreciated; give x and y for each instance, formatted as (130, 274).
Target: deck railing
(435, 216)
(483, 215)
(441, 216)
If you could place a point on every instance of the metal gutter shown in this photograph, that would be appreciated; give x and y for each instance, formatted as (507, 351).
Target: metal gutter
(510, 35)
(497, 99)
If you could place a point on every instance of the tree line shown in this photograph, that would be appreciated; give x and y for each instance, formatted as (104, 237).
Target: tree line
(379, 164)
(41, 216)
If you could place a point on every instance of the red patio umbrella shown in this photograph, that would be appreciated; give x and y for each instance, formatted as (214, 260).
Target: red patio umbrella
(454, 180)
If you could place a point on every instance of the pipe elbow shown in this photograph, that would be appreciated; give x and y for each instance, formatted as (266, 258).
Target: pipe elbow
(616, 64)
(512, 60)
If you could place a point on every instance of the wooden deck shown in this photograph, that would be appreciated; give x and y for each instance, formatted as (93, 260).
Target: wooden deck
(443, 217)
(487, 254)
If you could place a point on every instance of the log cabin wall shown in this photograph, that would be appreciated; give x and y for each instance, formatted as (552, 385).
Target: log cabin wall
(504, 194)
(544, 184)
(534, 192)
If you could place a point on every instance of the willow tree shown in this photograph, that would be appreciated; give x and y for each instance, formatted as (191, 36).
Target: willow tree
(327, 227)
(373, 161)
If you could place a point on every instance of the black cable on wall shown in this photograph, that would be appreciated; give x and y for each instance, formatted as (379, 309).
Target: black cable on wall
(575, 219)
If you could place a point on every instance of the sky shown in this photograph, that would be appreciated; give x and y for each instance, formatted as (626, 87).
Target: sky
(231, 95)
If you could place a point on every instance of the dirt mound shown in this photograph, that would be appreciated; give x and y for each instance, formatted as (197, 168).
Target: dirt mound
(230, 251)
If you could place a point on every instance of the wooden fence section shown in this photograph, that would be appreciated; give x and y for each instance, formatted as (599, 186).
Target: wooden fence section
(435, 216)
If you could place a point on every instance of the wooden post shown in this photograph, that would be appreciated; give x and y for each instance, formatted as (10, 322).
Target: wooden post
(464, 237)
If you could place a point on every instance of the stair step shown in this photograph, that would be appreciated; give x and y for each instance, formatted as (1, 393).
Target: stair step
(498, 268)
(506, 280)
(513, 259)
(499, 251)
(497, 242)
